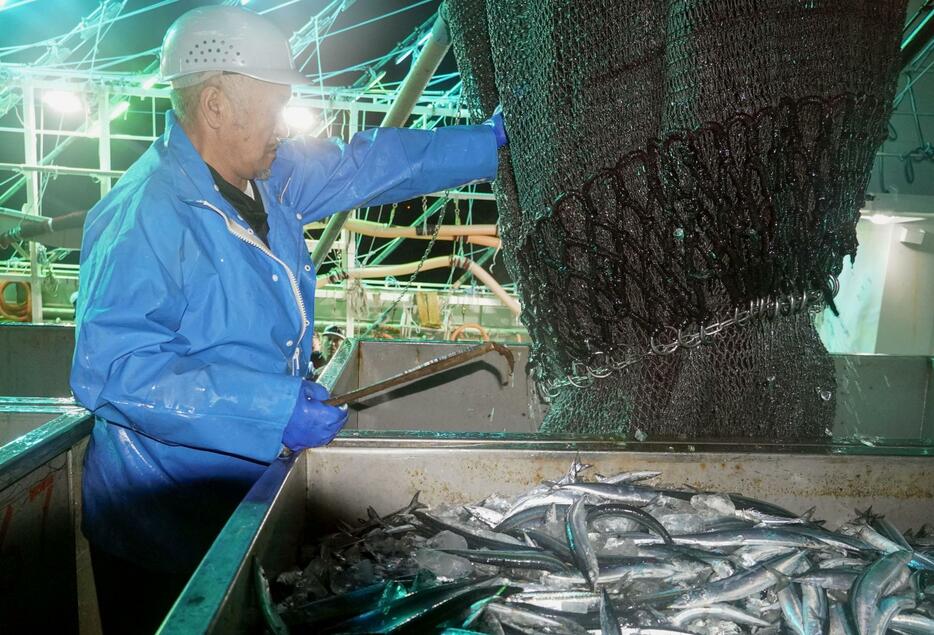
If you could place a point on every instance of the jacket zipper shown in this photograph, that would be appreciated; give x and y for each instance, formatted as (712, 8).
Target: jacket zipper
(240, 233)
(282, 193)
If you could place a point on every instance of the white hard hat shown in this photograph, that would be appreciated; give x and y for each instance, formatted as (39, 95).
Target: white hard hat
(231, 39)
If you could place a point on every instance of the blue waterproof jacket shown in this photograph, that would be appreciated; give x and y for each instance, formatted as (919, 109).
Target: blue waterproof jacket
(192, 335)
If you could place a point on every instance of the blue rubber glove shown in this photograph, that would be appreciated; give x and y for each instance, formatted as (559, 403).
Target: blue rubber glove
(499, 127)
(313, 423)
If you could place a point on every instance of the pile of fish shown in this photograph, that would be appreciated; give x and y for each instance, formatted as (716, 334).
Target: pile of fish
(612, 555)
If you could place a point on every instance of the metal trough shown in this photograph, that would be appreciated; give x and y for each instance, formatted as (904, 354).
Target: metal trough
(307, 494)
(45, 577)
(471, 435)
(300, 498)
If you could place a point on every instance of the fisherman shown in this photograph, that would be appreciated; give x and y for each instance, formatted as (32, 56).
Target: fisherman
(195, 314)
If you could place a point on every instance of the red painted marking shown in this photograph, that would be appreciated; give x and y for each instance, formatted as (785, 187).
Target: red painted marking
(41, 486)
(45, 485)
(5, 525)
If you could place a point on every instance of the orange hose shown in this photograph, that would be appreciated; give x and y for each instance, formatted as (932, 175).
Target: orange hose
(483, 235)
(484, 241)
(382, 230)
(456, 333)
(16, 311)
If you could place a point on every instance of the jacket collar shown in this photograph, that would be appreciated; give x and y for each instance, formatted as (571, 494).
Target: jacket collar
(198, 183)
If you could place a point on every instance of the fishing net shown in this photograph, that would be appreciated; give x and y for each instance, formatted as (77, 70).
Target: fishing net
(681, 187)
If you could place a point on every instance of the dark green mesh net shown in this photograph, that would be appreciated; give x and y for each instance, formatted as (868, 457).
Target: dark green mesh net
(681, 187)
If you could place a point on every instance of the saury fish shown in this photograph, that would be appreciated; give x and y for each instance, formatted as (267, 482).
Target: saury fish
(577, 556)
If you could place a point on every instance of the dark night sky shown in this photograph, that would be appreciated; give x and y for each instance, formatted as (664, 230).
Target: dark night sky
(33, 23)
(49, 18)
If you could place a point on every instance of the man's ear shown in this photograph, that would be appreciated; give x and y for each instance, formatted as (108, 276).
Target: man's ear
(213, 105)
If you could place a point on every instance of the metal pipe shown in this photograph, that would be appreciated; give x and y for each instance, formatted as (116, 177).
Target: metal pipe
(60, 313)
(60, 169)
(30, 229)
(411, 89)
(919, 38)
(58, 149)
(415, 82)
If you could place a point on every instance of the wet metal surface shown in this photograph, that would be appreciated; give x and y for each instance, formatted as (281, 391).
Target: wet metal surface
(340, 481)
(41, 552)
(35, 359)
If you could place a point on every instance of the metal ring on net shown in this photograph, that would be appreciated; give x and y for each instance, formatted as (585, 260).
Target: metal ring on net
(664, 349)
(755, 308)
(551, 389)
(725, 324)
(576, 375)
(599, 371)
(689, 341)
(762, 306)
(815, 302)
(712, 330)
(596, 360)
(792, 304)
(627, 362)
(585, 381)
(576, 367)
(765, 307)
(834, 286)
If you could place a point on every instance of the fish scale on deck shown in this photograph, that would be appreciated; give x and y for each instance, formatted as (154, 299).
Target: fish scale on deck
(613, 555)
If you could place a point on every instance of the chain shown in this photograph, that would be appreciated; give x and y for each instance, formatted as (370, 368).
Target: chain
(601, 365)
(411, 281)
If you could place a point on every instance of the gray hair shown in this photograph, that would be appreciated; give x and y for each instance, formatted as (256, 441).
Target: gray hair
(186, 91)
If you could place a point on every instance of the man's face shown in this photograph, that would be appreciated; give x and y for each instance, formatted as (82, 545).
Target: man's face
(253, 131)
